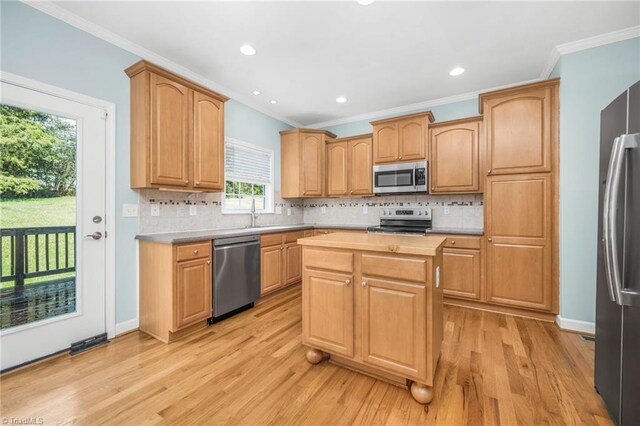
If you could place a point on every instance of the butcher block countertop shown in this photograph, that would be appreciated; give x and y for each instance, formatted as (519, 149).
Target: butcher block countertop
(386, 243)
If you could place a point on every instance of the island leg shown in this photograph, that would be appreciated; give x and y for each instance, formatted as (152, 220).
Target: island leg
(316, 356)
(421, 393)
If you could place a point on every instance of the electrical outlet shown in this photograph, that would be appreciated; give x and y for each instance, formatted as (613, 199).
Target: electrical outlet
(193, 210)
(365, 209)
(447, 210)
(288, 212)
(129, 210)
(278, 209)
(323, 209)
(155, 209)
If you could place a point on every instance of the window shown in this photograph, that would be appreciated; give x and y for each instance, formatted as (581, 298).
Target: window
(248, 176)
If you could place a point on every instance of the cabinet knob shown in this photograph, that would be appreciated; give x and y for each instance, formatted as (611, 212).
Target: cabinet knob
(186, 181)
(453, 242)
(364, 283)
(208, 262)
(489, 239)
(282, 248)
(347, 282)
(197, 183)
(195, 252)
(489, 171)
(433, 188)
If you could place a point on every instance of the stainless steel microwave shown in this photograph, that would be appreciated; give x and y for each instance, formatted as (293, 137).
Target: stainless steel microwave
(398, 178)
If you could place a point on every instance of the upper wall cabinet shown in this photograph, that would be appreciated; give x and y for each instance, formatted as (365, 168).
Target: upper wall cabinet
(303, 162)
(177, 132)
(518, 128)
(401, 138)
(350, 166)
(455, 156)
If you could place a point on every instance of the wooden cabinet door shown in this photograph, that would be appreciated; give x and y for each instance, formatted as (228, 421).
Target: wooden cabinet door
(393, 326)
(455, 158)
(385, 143)
(271, 269)
(412, 139)
(169, 150)
(293, 263)
(461, 271)
(518, 132)
(327, 311)
(208, 142)
(192, 293)
(361, 167)
(337, 173)
(519, 241)
(312, 164)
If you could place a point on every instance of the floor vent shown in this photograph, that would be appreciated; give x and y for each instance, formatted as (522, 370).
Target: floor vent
(87, 344)
(588, 338)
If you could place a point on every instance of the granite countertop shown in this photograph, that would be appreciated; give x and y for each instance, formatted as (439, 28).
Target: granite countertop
(213, 234)
(387, 243)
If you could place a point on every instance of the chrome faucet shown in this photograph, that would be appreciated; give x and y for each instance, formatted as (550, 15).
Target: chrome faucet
(253, 212)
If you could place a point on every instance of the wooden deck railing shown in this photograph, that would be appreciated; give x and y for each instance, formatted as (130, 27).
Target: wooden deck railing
(37, 273)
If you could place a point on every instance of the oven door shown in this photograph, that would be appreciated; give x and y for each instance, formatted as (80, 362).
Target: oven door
(394, 178)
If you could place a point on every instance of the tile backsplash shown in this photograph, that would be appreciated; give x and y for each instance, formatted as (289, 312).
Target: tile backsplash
(174, 212)
(465, 211)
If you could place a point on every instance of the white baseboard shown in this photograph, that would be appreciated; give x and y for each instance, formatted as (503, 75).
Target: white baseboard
(576, 325)
(124, 326)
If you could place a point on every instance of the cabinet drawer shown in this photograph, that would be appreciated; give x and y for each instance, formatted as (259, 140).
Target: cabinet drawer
(193, 251)
(328, 259)
(270, 240)
(292, 237)
(409, 269)
(462, 241)
(309, 233)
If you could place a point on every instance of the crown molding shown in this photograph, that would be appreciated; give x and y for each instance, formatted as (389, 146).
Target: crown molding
(46, 6)
(587, 43)
(381, 114)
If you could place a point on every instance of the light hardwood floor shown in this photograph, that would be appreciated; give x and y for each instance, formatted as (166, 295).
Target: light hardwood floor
(251, 369)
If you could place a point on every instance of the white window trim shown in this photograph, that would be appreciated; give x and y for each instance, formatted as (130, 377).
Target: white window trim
(269, 202)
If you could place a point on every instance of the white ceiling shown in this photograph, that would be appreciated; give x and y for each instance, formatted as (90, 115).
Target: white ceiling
(382, 56)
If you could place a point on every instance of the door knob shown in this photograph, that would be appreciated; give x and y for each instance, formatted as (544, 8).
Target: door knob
(94, 236)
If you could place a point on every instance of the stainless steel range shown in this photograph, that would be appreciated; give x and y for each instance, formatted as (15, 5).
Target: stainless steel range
(404, 220)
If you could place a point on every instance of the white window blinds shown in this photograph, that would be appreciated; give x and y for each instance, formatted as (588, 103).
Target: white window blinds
(247, 163)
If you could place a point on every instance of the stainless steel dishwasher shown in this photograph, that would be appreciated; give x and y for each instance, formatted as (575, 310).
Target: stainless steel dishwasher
(236, 279)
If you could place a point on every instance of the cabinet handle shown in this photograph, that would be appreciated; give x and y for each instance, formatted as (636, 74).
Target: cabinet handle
(347, 282)
(195, 252)
(364, 283)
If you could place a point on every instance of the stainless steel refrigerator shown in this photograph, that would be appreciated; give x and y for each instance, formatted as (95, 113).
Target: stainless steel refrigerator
(617, 355)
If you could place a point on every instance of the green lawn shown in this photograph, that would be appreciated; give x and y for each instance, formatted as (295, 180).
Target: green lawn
(36, 212)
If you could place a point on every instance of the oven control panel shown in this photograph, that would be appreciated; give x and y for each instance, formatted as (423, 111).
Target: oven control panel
(417, 213)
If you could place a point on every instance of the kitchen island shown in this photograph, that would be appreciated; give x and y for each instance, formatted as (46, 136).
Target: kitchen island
(373, 303)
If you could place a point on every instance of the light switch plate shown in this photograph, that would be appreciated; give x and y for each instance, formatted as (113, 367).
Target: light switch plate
(278, 209)
(288, 212)
(447, 210)
(193, 210)
(129, 210)
(155, 209)
(323, 209)
(365, 209)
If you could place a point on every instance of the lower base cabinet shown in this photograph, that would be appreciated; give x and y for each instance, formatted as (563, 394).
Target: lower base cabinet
(175, 288)
(462, 267)
(280, 260)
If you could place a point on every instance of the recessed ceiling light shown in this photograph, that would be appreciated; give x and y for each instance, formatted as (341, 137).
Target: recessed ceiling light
(341, 99)
(456, 71)
(256, 92)
(273, 101)
(365, 2)
(247, 49)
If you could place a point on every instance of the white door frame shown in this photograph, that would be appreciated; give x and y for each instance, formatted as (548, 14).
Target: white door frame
(110, 202)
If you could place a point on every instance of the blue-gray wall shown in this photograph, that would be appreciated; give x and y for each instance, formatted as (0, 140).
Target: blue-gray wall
(37, 46)
(590, 80)
(441, 113)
